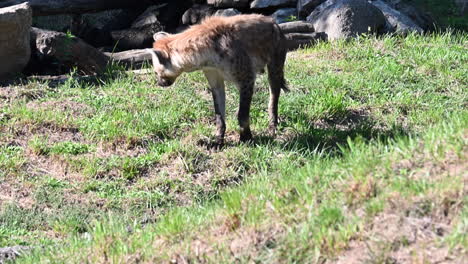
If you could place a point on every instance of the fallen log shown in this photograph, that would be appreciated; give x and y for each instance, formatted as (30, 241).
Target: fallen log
(68, 51)
(297, 27)
(57, 80)
(298, 40)
(56, 7)
(130, 59)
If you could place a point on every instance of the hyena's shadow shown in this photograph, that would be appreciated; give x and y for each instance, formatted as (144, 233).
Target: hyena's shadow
(327, 135)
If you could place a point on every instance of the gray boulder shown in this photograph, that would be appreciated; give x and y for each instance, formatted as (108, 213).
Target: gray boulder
(304, 7)
(422, 19)
(149, 17)
(462, 6)
(347, 18)
(227, 12)
(96, 28)
(268, 4)
(397, 21)
(284, 15)
(15, 50)
(229, 3)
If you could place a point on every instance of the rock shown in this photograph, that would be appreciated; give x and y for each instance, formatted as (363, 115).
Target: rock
(304, 7)
(422, 19)
(268, 4)
(106, 20)
(297, 27)
(229, 3)
(227, 12)
(15, 50)
(462, 6)
(347, 18)
(11, 253)
(171, 14)
(60, 7)
(140, 35)
(284, 15)
(95, 29)
(56, 23)
(149, 17)
(399, 22)
(298, 40)
(196, 13)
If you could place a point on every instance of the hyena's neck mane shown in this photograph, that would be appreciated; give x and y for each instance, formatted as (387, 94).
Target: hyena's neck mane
(189, 49)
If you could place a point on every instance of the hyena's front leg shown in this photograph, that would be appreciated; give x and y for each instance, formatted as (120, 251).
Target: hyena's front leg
(216, 81)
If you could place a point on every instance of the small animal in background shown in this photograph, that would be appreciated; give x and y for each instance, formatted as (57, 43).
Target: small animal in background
(232, 49)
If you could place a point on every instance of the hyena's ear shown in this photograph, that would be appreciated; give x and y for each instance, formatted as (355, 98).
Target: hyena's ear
(159, 35)
(157, 57)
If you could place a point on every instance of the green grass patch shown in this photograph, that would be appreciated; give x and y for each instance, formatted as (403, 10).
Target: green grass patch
(372, 127)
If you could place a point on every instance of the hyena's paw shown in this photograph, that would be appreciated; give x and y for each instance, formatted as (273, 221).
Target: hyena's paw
(245, 135)
(272, 131)
(216, 145)
(210, 144)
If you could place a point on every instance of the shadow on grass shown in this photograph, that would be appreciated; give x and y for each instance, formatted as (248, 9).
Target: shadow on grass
(327, 135)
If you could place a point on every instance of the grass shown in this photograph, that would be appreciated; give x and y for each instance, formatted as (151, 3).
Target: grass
(374, 130)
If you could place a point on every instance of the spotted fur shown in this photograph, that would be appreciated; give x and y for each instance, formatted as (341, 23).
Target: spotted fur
(235, 49)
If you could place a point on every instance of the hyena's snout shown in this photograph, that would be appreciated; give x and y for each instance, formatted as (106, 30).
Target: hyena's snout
(165, 82)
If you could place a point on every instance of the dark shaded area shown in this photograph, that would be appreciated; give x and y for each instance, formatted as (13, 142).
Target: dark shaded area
(447, 14)
(55, 7)
(331, 134)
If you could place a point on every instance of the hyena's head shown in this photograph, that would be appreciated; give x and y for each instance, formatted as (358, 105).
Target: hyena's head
(162, 64)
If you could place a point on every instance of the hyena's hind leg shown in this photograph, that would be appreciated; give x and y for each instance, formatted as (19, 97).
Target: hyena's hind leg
(246, 88)
(277, 82)
(244, 76)
(216, 81)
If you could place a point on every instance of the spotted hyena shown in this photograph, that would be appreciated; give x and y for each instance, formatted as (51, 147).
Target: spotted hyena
(226, 48)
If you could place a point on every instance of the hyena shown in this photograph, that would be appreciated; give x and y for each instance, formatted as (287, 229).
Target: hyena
(234, 49)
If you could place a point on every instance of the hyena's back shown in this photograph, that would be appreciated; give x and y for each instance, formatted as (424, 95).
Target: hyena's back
(257, 35)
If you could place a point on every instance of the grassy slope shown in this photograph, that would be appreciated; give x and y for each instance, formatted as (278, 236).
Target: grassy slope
(371, 150)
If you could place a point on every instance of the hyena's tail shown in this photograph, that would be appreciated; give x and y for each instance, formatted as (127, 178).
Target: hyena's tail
(276, 64)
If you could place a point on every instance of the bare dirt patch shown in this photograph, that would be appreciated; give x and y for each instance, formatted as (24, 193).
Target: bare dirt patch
(27, 92)
(396, 238)
(68, 106)
(237, 243)
(16, 193)
(411, 231)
